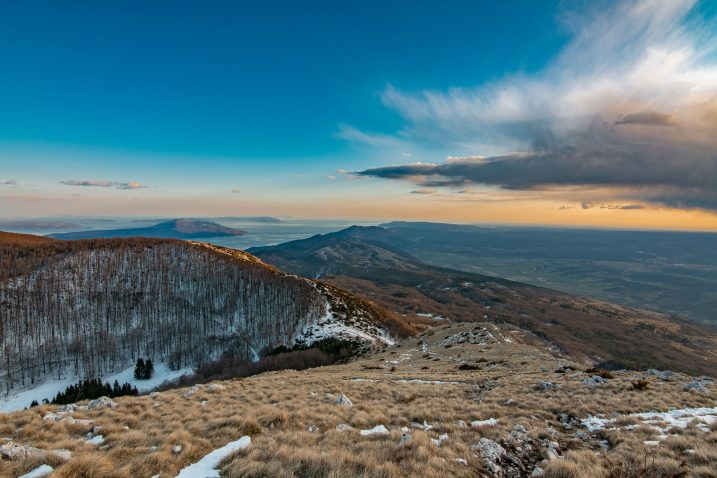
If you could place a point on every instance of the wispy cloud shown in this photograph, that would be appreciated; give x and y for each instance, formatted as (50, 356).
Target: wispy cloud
(236, 191)
(9, 182)
(630, 103)
(100, 183)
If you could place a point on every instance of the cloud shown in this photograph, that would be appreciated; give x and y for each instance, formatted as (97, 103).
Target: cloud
(331, 178)
(353, 134)
(424, 191)
(9, 182)
(630, 104)
(236, 191)
(100, 183)
(586, 205)
(648, 118)
(132, 185)
(622, 206)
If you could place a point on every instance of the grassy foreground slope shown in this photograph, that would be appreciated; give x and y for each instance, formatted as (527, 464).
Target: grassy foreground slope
(460, 400)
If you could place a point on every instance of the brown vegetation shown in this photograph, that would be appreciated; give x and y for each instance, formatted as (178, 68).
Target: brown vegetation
(292, 418)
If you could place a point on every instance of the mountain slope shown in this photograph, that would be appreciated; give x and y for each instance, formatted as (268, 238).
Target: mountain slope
(462, 400)
(369, 262)
(174, 229)
(91, 308)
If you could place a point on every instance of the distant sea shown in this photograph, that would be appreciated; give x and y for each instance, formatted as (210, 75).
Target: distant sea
(259, 233)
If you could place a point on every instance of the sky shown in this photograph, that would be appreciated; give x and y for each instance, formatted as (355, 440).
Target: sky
(570, 113)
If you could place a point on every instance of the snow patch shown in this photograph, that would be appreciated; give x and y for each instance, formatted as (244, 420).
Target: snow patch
(95, 440)
(329, 326)
(208, 466)
(377, 430)
(661, 421)
(50, 389)
(39, 472)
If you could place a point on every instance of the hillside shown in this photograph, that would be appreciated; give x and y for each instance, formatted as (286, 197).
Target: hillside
(368, 261)
(460, 400)
(11, 238)
(174, 229)
(80, 309)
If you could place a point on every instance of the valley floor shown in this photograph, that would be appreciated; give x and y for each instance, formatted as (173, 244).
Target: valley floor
(460, 400)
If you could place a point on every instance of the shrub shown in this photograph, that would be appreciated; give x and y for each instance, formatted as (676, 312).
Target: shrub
(600, 372)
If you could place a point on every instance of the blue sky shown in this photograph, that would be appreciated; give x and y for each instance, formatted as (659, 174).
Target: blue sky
(246, 79)
(270, 98)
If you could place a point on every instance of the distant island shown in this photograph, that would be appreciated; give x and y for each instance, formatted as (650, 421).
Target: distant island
(174, 229)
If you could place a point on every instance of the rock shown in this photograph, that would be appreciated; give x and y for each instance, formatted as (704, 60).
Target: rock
(215, 387)
(102, 402)
(177, 449)
(461, 424)
(344, 401)
(14, 451)
(581, 435)
(551, 431)
(519, 428)
(312, 429)
(72, 407)
(62, 418)
(552, 455)
(491, 422)
(662, 375)
(599, 379)
(590, 382)
(62, 453)
(190, 392)
(553, 452)
(461, 461)
(492, 454)
(537, 471)
(377, 430)
(154, 395)
(544, 386)
(405, 438)
(421, 426)
(438, 441)
(696, 386)
(343, 427)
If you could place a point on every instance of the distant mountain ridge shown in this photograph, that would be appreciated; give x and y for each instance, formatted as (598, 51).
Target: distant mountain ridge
(173, 229)
(371, 261)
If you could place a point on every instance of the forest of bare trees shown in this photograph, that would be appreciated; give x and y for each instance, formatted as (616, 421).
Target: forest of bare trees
(85, 309)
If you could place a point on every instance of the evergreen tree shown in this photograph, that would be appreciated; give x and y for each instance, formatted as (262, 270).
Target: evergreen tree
(148, 369)
(139, 369)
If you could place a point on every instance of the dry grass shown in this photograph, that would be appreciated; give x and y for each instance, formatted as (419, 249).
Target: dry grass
(292, 418)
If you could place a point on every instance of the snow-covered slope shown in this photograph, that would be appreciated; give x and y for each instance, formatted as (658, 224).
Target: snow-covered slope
(71, 310)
